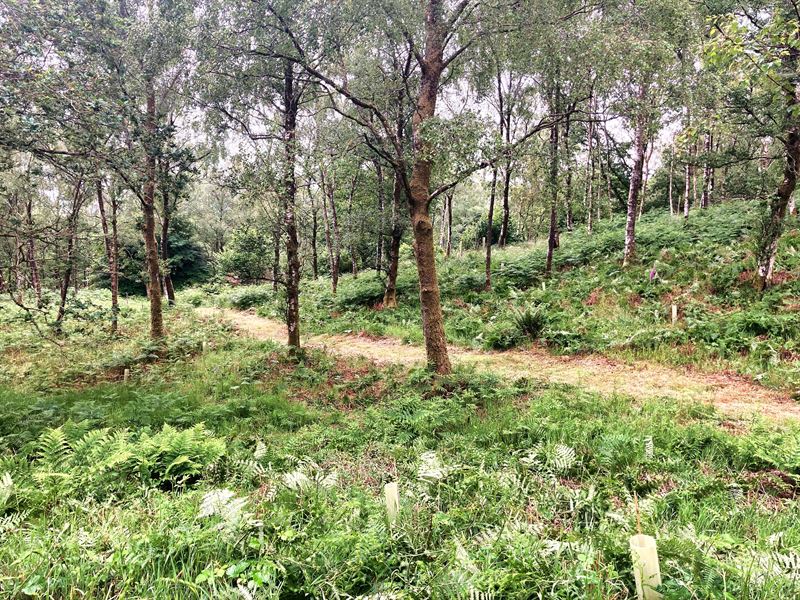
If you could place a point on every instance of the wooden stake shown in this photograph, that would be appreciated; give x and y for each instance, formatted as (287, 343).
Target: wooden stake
(126, 375)
(674, 314)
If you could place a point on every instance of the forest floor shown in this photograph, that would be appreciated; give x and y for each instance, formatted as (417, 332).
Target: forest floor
(732, 394)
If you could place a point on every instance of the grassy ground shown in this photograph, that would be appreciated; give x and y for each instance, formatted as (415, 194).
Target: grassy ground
(230, 472)
(702, 264)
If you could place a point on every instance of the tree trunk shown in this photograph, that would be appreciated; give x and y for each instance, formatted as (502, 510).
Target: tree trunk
(694, 175)
(640, 147)
(381, 216)
(568, 174)
(552, 235)
(314, 253)
(352, 227)
(489, 227)
(687, 184)
(277, 238)
(506, 222)
(330, 239)
(166, 216)
(449, 202)
(671, 202)
(289, 192)
(773, 225)
(707, 177)
(33, 265)
(148, 212)
(432, 66)
(72, 229)
(337, 234)
(505, 109)
(589, 166)
(645, 179)
(390, 294)
(111, 246)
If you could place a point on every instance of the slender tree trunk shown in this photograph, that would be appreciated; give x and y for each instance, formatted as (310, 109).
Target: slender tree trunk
(432, 66)
(640, 147)
(568, 174)
(552, 235)
(687, 184)
(489, 227)
(645, 179)
(166, 218)
(111, 246)
(148, 212)
(277, 238)
(506, 108)
(671, 201)
(330, 240)
(352, 227)
(381, 216)
(707, 177)
(390, 294)
(314, 230)
(589, 166)
(695, 202)
(32, 262)
(289, 193)
(506, 222)
(337, 234)
(443, 225)
(72, 229)
(449, 201)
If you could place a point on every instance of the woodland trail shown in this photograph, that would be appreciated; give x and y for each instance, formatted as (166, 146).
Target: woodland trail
(732, 394)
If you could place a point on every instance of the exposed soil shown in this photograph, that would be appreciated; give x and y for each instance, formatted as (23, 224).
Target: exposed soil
(731, 393)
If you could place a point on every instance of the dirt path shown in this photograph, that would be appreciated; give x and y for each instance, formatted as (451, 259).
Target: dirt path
(732, 394)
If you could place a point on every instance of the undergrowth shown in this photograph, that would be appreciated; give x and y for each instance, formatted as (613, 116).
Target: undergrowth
(233, 472)
(702, 264)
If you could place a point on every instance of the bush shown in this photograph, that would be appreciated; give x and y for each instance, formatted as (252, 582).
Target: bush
(532, 321)
(363, 291)
(251, 296)
(248, 255)
(502, 335)
(470, 282)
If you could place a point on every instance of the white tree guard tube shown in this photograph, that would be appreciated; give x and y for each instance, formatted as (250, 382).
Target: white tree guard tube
(646, 571)
(391, 496)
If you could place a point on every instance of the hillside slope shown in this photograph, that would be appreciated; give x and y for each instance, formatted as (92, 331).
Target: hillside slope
(701, 264)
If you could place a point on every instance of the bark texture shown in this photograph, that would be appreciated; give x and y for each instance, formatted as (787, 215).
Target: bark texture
(289, 192)
(432, 65)
(635, 186)
(149, 225)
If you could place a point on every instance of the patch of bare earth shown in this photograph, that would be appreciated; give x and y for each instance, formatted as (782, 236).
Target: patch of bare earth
(730, 393)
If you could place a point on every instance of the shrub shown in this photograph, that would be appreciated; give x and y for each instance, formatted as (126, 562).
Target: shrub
(248, 255)
(363, 291)
(470, 282)
(250, 296)
(502, 335)
(531, 321)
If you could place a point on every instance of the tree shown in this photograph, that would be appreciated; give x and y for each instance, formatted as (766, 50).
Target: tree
(760, 43)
